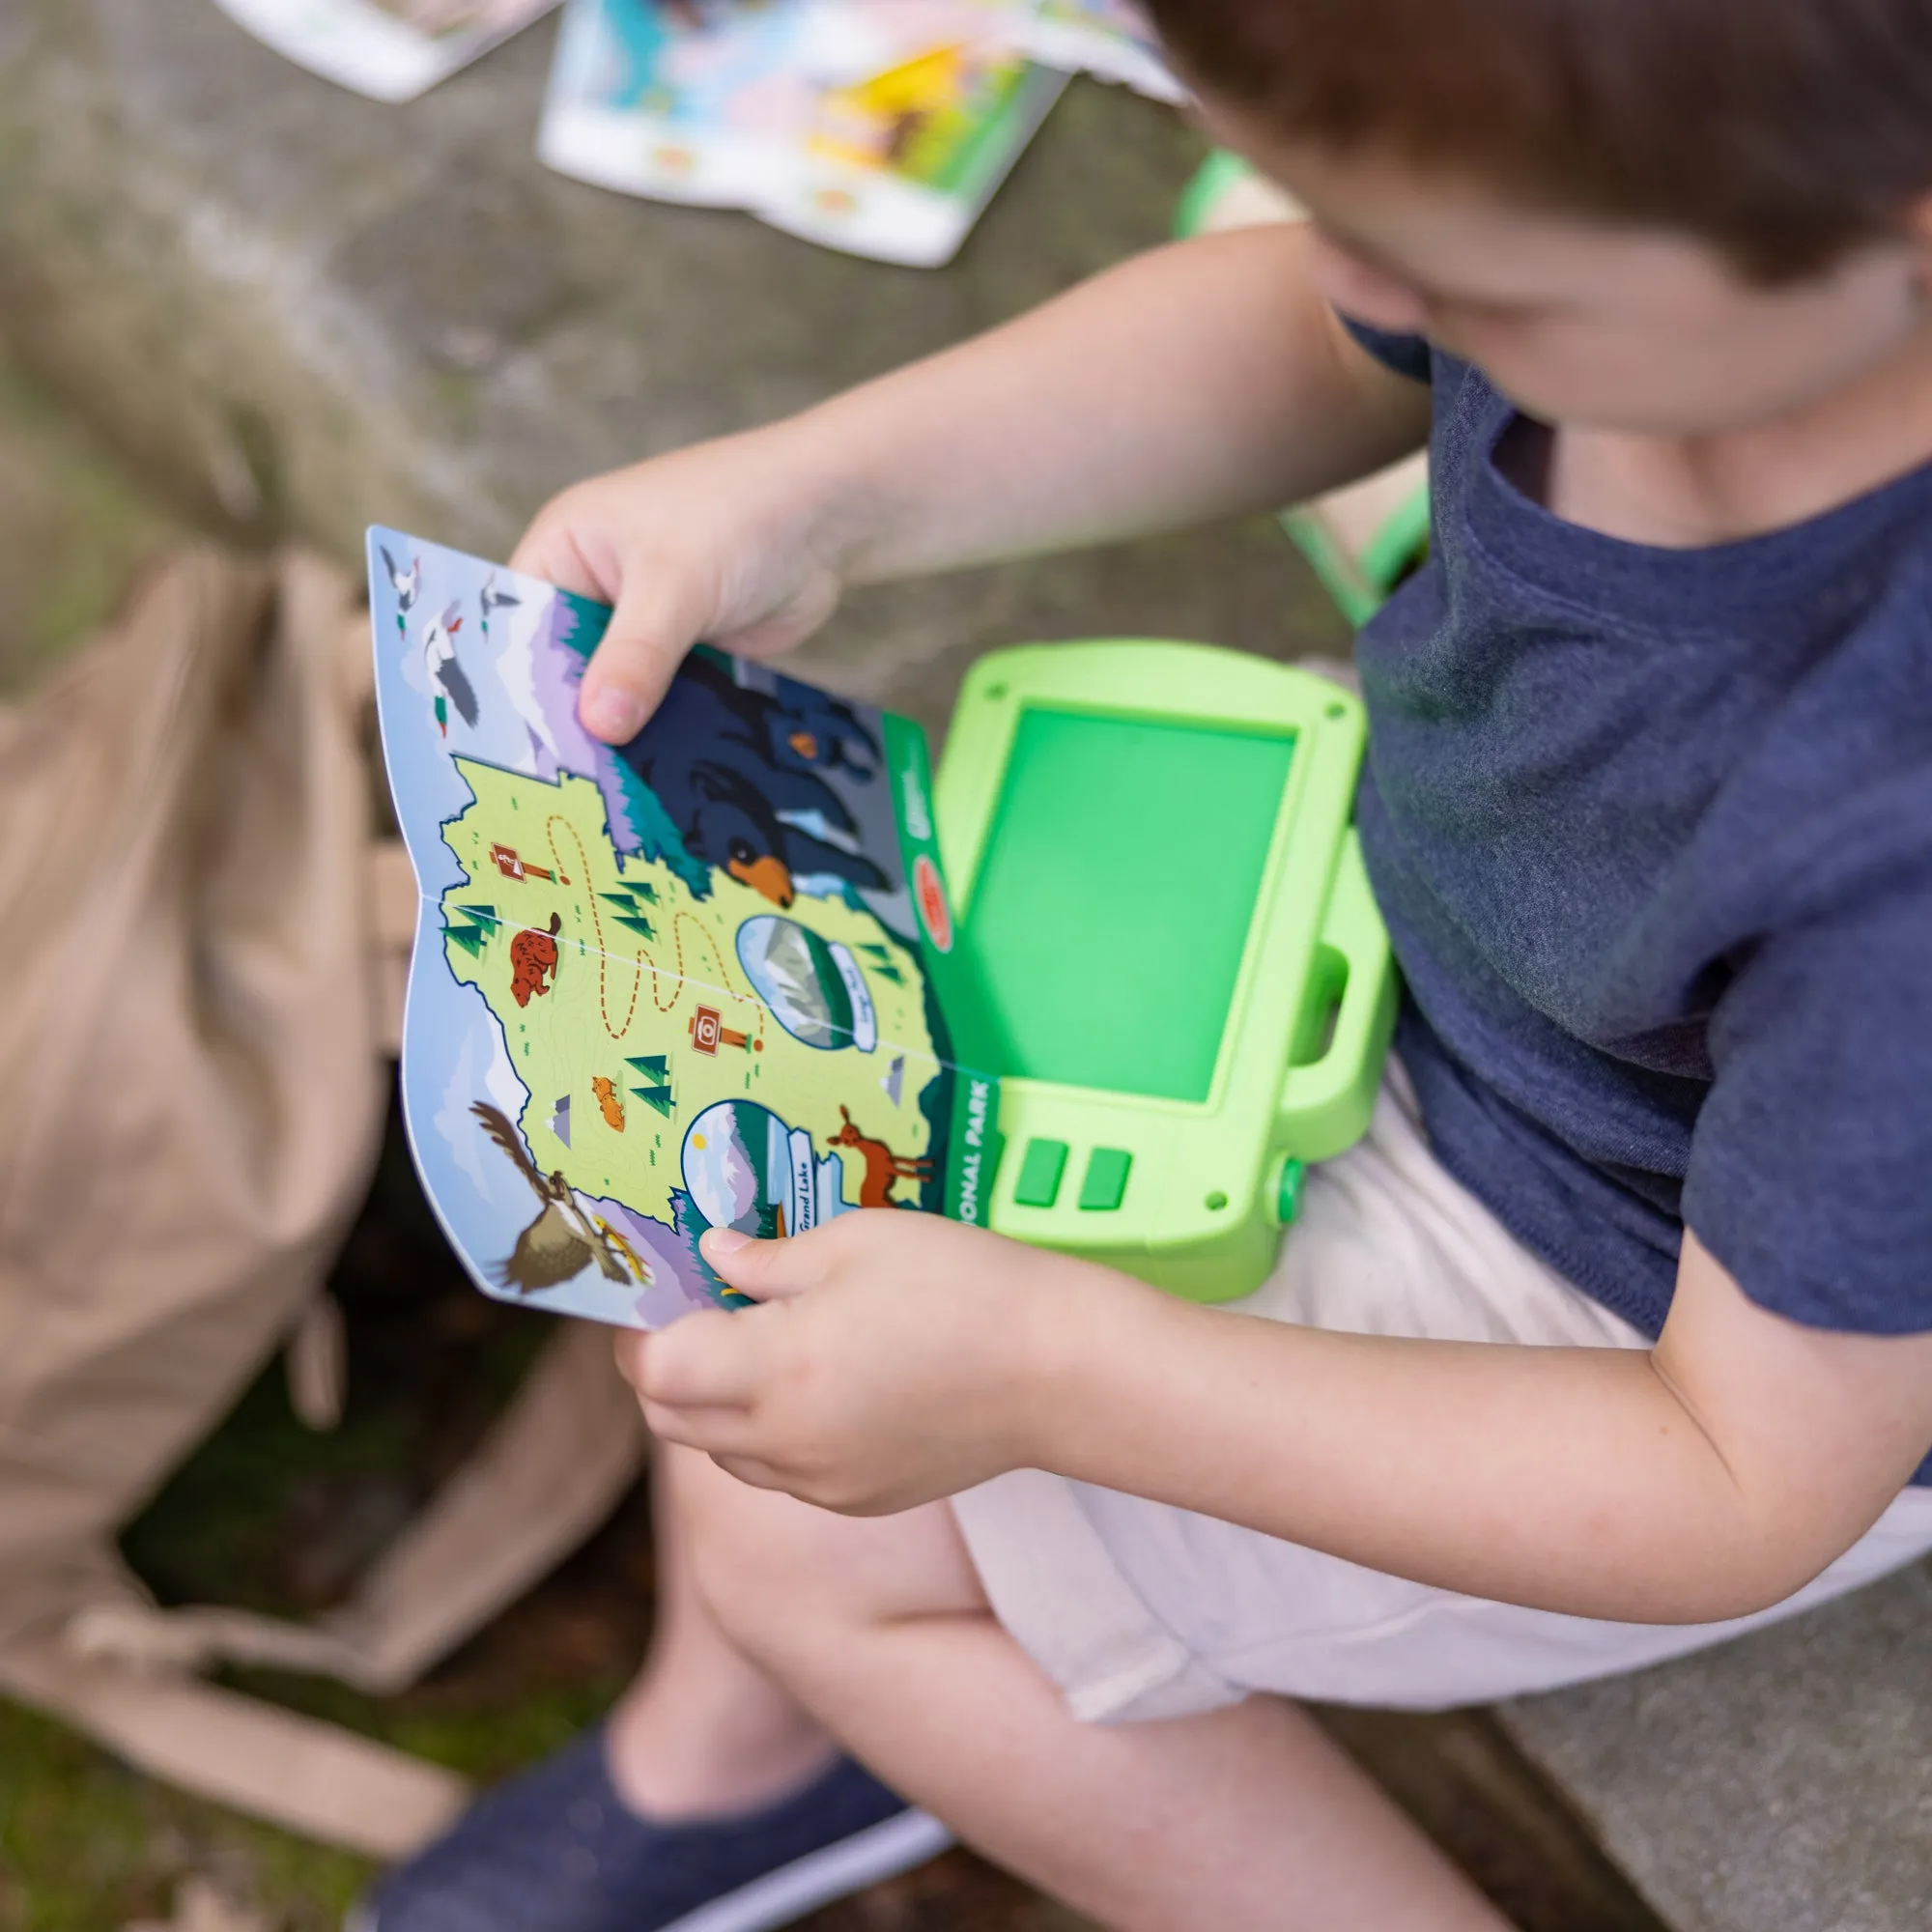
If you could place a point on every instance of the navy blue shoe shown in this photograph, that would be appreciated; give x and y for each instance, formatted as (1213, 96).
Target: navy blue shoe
(556, 1850)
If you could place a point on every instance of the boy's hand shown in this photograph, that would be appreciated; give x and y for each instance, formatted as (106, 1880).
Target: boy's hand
(729, 543)
(898, 1358)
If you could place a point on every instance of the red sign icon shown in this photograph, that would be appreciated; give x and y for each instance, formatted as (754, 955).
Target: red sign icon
(708, 1032)
(928, 892)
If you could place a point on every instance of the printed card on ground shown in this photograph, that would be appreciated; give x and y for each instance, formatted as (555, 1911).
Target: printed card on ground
(390, 50)
(878, 127)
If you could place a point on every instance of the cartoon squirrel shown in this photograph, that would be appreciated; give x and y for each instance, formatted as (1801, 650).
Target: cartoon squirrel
(534, 961)
(605, 1095)
(883, 1166)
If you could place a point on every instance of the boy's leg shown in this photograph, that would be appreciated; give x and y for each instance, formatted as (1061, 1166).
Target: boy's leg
(1246, 1817)
(703, 1730)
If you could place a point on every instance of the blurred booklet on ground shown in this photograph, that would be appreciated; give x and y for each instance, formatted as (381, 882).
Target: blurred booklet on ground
(698, 982)
(878, 127)
(390, 50)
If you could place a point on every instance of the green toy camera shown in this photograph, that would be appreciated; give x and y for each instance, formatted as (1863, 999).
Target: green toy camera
(1170, 944)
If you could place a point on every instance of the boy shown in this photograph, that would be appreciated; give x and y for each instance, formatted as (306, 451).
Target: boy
(1649, 811)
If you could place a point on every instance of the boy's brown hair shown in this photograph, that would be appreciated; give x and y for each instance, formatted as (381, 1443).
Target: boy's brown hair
(1785, 131)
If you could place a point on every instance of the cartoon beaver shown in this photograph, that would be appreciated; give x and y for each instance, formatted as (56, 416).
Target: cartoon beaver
(534, 961)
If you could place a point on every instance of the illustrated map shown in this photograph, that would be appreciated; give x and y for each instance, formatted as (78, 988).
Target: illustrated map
(696, 981)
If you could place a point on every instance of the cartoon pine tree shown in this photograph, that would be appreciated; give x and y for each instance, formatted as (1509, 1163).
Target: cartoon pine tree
(656, 1068)
(626, 905)
(880, 959)
(462, 926)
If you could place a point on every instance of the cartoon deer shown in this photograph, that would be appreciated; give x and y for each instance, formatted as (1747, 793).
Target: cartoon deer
(883, 1166)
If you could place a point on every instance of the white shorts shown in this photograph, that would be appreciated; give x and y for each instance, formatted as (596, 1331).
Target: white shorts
(1140, 1610)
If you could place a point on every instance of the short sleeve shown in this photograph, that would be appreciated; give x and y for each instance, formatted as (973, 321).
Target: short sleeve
(1406, 354)
(1810, 1172)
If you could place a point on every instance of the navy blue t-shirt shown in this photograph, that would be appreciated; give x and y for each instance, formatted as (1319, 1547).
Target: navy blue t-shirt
(1652, 831)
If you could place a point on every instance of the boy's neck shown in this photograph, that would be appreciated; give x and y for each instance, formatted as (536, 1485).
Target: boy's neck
(1689, 491)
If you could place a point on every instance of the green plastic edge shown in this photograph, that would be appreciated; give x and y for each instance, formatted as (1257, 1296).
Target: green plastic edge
(1353, 595)
(1328, 1112)
(1358, 589)
(1401, 542)
(1361, 588)
(974, 1143)
(1328, 1102)
(1209, 182)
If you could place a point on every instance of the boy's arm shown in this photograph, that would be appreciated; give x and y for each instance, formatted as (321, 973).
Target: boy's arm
(1705, 1479)
(1205, 380)
(910, 1359)
(1201, 381)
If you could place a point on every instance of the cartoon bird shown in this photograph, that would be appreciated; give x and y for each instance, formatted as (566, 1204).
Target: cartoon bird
(407, 585)
(490, 598)
(563, 1241)
(446, 673)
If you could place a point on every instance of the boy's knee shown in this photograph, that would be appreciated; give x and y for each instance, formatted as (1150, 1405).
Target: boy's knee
(760, 1561)
(780, 1576)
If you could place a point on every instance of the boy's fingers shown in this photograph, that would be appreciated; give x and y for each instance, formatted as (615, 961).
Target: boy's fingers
(548, 549)
(708, 1360)
(658, 613)
(630, 1349)
(715, 1432)
(655, 623)
(765, 1270)
(749, 1469)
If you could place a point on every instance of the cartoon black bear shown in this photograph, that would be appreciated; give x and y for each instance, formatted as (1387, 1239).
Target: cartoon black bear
(724, 765)
(815, 732)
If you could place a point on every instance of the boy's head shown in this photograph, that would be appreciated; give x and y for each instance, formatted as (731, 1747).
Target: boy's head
(1668, 214)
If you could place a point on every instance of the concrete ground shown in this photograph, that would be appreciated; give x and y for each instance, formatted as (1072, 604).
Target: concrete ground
(73, 524)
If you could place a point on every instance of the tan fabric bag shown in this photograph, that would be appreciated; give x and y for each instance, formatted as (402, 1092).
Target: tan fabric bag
(204, 981)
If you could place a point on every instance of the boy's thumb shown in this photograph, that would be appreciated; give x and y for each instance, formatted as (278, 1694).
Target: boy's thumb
(650, 630)
(765, 1270)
